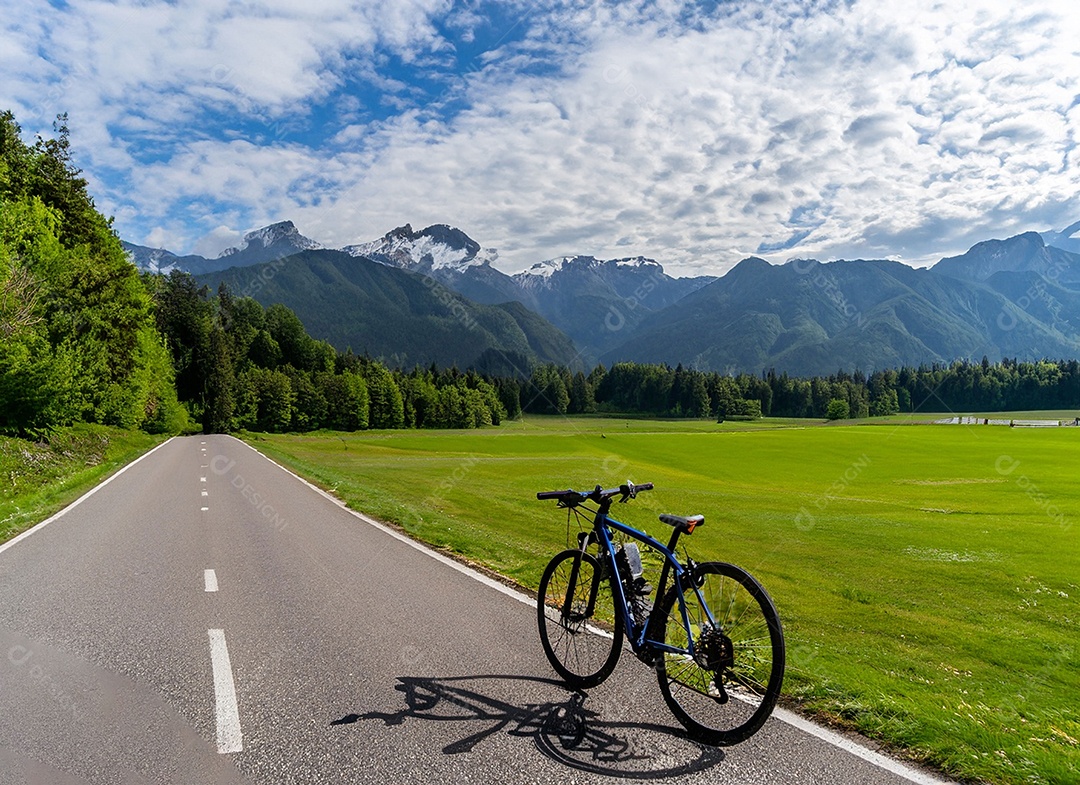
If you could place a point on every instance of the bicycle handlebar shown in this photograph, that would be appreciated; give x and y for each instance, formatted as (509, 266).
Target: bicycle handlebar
(571, 498)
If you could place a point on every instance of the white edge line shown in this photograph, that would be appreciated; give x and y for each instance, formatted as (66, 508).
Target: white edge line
(229, 736)
(479, 576)
(858, 750)
(39, 526)
(210, 580)
(784, 715)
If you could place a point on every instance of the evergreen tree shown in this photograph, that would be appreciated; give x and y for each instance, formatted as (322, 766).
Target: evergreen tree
(582, 400)
(387, 409)
(218, 400)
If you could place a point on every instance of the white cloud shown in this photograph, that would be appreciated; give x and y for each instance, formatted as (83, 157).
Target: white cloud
(888, 139)
(217, 240)
(856, 130)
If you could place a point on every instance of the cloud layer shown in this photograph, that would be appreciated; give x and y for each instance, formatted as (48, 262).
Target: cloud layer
(692, 135)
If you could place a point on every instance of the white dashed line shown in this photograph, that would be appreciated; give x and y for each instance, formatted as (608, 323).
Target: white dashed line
(204, 493)
(204, 509)
(202, 479)
(210, 580)
(229, 737)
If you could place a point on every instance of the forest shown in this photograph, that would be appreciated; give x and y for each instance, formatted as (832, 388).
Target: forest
(661, 391)
(84, 337)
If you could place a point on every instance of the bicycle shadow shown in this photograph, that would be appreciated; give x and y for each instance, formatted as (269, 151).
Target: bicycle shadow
(565, 731)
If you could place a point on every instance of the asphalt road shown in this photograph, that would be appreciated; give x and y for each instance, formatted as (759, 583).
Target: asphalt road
(206, 617)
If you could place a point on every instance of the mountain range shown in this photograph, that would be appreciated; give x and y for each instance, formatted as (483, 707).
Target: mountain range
(405, 318)
(415, 297)
(809, 318)
(275, 241)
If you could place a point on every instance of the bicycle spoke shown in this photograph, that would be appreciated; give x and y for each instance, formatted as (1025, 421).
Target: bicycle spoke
(578, 650)
(727, 688)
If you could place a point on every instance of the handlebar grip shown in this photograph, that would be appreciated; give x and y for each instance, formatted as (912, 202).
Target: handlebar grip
(552, 494)
(645, 486)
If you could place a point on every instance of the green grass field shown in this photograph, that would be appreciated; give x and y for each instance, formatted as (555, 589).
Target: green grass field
(926, 576)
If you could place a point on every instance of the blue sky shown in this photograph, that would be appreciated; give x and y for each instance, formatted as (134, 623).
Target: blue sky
(693, 133)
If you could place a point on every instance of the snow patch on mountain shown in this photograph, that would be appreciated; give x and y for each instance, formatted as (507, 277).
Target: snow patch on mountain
(541, 273)
(154, 260)
(283, 231)
(549, 267)
(438, 247)
(639, 262)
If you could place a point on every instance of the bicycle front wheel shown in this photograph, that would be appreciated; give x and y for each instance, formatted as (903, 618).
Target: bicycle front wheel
(723, 684)
(579, 629)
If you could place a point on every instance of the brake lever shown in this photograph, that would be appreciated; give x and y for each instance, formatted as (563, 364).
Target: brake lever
(628, 492)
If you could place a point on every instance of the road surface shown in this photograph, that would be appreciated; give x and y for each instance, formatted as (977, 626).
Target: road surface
(207, 617)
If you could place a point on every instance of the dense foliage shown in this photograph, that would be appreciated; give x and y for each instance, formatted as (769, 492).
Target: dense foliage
(242, 366)
(662, 391)
(77, 335)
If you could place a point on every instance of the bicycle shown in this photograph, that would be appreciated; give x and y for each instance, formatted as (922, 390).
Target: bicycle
(714, 637)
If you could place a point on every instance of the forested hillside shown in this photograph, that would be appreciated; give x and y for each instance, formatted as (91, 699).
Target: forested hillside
(85, 338)
(242, 366)
(405, 318)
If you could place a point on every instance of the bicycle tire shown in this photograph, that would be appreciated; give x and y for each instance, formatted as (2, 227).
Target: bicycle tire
(750, 664)
(582, 653)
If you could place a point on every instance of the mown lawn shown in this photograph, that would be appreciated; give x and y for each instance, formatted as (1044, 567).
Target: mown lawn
(926, 575)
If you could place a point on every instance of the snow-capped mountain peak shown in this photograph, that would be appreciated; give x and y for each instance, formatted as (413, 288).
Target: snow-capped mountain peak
(542, 274)
(550, 267)
(280, 232)
(438, 247)
(155, 260)
(639, 262)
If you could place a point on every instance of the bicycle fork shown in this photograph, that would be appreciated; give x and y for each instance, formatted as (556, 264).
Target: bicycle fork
(584, 539)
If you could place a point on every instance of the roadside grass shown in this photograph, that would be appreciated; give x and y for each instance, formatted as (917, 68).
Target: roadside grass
(39, 478)
(926, 576)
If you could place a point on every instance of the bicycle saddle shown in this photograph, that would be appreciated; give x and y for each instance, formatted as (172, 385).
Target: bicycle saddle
(683, 524)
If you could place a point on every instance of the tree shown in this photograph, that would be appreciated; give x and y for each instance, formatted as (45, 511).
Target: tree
(509, 392)
(885, 404)
(309, 404)
(76, 320)
(837, 410)
(582, 400)
(273, 398)
(744, 408)
(346, 400)
(547, 391)
(218, 400)
(387, 408)
(184, 316)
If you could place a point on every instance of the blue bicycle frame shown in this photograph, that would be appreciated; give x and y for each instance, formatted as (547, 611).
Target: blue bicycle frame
(643, 647)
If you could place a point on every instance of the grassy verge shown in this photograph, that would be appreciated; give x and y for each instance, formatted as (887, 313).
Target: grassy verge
(39, 478)
(927, 576)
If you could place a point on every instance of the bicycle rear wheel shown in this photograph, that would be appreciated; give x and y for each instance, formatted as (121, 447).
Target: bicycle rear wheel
(575, 597)
(727, 688)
